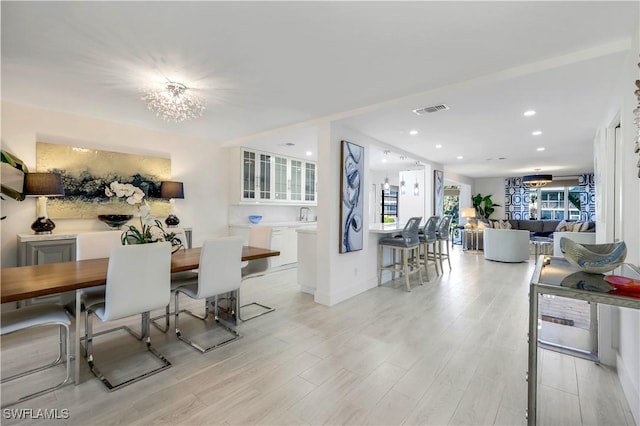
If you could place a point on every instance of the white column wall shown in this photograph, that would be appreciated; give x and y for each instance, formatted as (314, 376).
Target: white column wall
(341, 276)
(628, 359)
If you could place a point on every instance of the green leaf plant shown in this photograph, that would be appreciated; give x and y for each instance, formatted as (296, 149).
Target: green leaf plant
(484, 205)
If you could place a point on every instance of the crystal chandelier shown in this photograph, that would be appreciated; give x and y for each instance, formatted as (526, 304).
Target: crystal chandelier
(173, 102)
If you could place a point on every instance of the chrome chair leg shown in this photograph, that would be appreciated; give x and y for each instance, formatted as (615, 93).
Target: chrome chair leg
(267, 309)
(222, 323)
(144, 335)
(65, 344)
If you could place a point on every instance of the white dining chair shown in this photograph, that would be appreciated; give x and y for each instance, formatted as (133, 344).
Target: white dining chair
(219, 273)
(177, 279)
(259, 236)
(94, 245)
(138, 281)
(39, 315)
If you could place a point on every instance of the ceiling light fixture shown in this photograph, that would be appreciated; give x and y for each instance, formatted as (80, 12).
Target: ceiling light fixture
(309, 153)
(403, 187)
(536, 181)
(413, 132)
(438, 146)
(173, 102)
(537, 133)
(540, 149)
(459, 157)
(386, 183)
(529, 113)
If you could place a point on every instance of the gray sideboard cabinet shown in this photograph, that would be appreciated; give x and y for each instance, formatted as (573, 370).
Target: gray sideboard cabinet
(41, 249)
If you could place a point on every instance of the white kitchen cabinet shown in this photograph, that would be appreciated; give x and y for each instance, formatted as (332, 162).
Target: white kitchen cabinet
(267, 177)
(284, 239)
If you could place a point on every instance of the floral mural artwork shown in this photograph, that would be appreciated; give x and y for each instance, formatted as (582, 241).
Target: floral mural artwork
(86, 172)
(351, 182)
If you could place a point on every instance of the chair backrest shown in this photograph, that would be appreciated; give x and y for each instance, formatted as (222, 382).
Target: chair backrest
(443, 227)
(95, 245)
(138, 279)
(430, 227)
(411, 229)
(220, 265)
(259, 236)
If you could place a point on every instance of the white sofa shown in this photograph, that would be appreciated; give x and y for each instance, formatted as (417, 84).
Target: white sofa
(506, 245)
(578, 237)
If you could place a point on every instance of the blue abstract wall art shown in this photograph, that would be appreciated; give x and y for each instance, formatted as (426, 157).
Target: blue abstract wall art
(351, 184)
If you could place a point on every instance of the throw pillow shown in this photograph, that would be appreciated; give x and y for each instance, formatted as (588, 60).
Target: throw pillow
(564, 226)
(579, 226)
(501, 224)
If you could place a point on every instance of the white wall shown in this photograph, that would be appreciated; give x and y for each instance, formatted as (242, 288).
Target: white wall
(410, 205)
(341, 276)
(200, 164)
(628, 359)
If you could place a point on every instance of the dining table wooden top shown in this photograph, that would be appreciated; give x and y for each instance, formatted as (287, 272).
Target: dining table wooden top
(25, 282)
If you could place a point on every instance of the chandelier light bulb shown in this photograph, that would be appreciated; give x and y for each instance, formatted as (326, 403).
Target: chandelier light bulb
(174, 102)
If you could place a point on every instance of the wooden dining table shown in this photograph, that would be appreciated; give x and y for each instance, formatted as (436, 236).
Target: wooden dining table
(26, 282)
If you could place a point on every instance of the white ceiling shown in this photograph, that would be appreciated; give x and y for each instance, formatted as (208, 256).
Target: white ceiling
(266, 65)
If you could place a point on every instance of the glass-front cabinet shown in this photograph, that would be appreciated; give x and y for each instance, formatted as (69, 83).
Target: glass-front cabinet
(276, 178)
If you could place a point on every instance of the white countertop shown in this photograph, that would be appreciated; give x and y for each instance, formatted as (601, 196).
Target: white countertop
(307, 230)
(291, 224)
(23, 238)
(386, 228)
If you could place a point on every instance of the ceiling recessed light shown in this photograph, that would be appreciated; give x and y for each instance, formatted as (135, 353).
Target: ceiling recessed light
(384, 160)
(459, 157)
(309, 153)
(502, 158)
(537, 133)
(540, 149)
(413, 132)
(438, 146)
(529, 113)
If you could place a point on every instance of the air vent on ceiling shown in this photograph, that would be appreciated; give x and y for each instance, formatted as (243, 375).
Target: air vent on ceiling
(429, 109)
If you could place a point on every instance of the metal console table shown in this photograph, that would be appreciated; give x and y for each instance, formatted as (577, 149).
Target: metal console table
(551, 276)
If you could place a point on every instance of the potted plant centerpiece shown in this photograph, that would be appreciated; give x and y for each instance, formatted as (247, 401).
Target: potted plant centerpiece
(151, 230)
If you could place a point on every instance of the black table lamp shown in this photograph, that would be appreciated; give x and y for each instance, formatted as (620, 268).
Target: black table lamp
(43, 185)
(171, 190)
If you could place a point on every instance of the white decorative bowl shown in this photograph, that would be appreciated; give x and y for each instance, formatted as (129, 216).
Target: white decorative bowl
(594, 258)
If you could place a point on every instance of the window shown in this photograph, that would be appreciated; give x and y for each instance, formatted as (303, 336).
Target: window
(555, 203)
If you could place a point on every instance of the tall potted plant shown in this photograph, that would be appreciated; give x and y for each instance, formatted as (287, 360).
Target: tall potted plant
(484, 205)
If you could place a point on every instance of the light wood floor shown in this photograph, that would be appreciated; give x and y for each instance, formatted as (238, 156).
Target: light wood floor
(452, 351)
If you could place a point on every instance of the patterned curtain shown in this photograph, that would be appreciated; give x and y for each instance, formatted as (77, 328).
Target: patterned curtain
(587, 197)
(516, 199)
